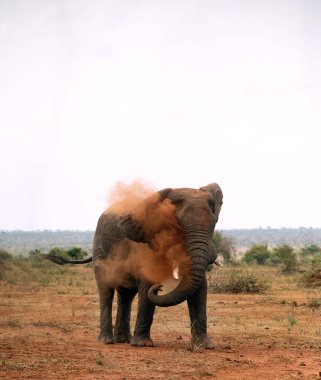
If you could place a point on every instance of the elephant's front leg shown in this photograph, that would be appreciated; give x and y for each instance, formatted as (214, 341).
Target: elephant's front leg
(125, 298)
(197, 313)
(144, 319)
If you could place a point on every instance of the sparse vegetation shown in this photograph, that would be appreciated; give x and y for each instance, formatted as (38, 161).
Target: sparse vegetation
(310, 250)
(285, 255)
(316, 261)
(14, 323)
(238, 281)
(50, 327)
(100, 359)
(291, 322)
(314, 302)
(312, 278)
(4, 258)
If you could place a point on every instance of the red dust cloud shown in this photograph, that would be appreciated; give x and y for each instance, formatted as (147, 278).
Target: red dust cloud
(123, 198)
(153, 261)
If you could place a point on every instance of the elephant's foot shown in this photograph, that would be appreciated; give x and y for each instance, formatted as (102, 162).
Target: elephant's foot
(122, 337)
(106, 338)
(202, 342)
(141, 341)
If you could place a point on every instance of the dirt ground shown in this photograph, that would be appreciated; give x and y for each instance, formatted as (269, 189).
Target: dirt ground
(49, 328)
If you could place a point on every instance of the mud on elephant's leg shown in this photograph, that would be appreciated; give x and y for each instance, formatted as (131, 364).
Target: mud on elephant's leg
(122, 326)
(144, 319)
(106, 296)
(197, 313)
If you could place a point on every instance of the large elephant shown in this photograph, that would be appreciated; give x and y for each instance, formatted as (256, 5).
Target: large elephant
(124, 242)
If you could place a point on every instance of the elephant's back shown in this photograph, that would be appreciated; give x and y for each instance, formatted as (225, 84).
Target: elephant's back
(107, 236)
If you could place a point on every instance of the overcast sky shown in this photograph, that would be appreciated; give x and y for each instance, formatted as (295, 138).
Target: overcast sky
(175, 93)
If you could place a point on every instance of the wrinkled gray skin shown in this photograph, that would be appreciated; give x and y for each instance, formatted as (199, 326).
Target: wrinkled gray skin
(197, 212)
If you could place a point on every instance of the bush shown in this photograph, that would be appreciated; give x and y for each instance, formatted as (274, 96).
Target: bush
(57, 251)
(35, 255)
(312, 278)
(238, 281)
(316, 261)
(309, 250)
(285, 255)
(4, 256)
(258, 253)
(76, 253)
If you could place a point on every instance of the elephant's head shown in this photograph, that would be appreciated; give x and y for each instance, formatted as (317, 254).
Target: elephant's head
(192, 213)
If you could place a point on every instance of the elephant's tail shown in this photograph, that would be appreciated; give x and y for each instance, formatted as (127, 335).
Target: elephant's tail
(62, 261)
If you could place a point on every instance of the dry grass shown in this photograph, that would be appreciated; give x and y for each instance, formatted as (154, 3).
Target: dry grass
(237, 280)
(312, 278)
(50, 319)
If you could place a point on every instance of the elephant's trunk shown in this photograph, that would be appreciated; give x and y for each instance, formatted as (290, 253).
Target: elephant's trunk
(197, 244)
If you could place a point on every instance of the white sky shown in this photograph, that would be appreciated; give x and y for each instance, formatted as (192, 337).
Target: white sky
(177, 93)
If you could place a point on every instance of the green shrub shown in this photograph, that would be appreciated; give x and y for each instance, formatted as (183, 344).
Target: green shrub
(35, 255)
(316, 261)
(57, 251)
(76, 253)
(311, 249)
(238, 281)
(4, 256)
(258, 253)
(285, 255)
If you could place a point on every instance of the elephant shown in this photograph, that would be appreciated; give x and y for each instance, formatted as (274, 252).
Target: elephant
(187, 218)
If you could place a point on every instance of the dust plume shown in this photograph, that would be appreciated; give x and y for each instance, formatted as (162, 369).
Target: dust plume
(164, 249)
(123, 198)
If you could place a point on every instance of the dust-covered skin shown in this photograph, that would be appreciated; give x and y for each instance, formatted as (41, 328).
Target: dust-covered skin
(169, 233)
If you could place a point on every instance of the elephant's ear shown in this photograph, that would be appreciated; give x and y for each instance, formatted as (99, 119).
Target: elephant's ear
(131, 229)
(216, 198)
(143, 222)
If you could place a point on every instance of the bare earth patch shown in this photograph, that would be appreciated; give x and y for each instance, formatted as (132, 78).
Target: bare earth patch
(50, 332)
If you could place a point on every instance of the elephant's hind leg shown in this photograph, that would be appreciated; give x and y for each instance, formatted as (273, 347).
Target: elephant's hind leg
(122, 326)
(106, 296)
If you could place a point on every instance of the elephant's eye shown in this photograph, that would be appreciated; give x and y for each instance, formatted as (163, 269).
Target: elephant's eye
(211, 204)
(176, 199)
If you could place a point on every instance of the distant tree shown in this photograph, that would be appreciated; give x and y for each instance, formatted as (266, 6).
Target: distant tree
(224, 247)
(4, 255)
(57, 251)
(76, 253)
(258, 252)
(4, 258)
(310, 250)
(35, 254)
(285, 255)
(316, 261)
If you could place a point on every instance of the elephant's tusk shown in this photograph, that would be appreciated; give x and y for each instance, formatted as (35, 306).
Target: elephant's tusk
(176, 273)
(218, 263)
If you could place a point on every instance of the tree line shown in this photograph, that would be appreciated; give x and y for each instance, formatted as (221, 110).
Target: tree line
(288, 257)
